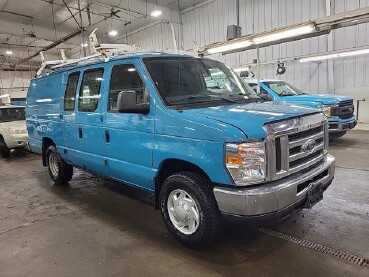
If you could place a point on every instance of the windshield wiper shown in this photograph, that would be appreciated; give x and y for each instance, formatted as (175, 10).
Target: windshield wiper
(244, 99)
(264, 97)
(223, 98)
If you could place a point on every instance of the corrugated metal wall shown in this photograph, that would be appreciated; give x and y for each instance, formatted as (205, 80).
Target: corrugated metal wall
(207, 24)
(258, 16)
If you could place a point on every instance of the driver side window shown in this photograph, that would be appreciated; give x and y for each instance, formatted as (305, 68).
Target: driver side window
(124, 77)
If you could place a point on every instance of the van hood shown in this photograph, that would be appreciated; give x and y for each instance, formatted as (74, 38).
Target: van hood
(319, 99)
(19, 125)
(250, 118)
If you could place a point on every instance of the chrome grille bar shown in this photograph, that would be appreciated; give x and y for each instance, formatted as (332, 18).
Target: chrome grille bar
(303, 140)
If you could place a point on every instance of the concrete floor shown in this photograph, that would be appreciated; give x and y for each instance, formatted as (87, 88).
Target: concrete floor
(96, 227)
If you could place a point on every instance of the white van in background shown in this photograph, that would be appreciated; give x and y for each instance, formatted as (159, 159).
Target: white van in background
(13, 130)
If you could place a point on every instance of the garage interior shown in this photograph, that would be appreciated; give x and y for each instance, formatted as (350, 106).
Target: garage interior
(98, 227)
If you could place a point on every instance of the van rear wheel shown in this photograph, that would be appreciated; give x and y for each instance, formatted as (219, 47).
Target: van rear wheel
(60, 171)
(189, 209)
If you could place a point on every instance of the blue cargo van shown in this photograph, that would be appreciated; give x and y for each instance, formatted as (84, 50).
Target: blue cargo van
(338, 109)
(188, 130)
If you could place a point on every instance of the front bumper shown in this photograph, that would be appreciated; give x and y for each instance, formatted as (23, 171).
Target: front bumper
(341, 126)
(16, 141)
(274, 197)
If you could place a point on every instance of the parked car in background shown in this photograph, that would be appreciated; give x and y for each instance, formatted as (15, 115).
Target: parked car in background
(338, 109)
(188, 130)
(13, 130)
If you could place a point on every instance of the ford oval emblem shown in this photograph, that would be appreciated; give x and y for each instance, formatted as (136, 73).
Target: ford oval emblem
(308, 146)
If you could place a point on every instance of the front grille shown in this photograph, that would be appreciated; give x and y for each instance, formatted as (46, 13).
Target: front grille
(304, 134)
(345, 116)
(306, 159)
(346, 103)
(298, 149)
(278, 157)
(344, 110)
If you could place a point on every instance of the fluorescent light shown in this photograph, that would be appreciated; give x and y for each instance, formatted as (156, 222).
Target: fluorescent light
(156, 13)
(131, 69)
(283, 34)
(113, 33)
(84, 44)
(240, 69)
(335, 55)
(264, 38)
(318, 58)
(354, 53)
(9, 52)
(229, 47)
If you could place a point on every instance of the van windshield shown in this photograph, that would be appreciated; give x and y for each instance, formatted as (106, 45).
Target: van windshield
(187, 80)
(283, 88)
(11, 114)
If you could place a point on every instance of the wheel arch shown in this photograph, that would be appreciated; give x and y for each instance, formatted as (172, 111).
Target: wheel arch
(171, 166)
(46, 142)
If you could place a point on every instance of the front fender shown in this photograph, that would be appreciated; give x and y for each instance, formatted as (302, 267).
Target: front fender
(207, 155)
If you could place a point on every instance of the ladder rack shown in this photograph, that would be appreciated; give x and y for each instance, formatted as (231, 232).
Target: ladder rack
(99, 52)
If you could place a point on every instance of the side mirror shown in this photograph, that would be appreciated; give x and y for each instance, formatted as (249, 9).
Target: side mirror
(127, 103)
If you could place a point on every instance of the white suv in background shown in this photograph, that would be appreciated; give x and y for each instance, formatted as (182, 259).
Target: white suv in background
(13, 130)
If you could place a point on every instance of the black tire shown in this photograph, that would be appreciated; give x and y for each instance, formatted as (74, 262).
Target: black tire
(5, 152)
(64, 171)
(201, 191)
(337, 135)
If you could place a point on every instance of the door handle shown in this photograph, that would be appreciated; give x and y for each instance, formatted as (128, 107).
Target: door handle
(107, 136)
(80, 134)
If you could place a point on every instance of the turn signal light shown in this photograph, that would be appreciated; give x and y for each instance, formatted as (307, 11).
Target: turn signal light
(234, 160)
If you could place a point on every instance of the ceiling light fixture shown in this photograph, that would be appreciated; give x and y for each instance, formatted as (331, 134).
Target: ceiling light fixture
(113, 33)
(229, 47)
(240, 69)
(156, 13)
(335, 55)
(9, 52)
(272, 36)
(284, 34)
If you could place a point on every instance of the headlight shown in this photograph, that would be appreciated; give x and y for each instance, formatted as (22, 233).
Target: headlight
(327, 110)
(11, 131)
(16, 131)
(246, 162)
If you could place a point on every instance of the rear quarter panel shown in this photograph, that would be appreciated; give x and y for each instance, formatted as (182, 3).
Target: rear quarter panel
(43, 111)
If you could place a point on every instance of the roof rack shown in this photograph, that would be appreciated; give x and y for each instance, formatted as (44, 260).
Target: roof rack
(99, 52)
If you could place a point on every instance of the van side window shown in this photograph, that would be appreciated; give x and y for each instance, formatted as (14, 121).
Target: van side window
(124, 77)
(70, 91)
(90, 90)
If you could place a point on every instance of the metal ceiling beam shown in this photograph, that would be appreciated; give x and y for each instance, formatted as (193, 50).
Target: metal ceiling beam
(17, 14)
(52, 45)
(71, 13)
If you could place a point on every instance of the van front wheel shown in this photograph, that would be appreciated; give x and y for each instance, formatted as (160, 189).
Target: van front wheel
(189, 209)
(60, 171)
